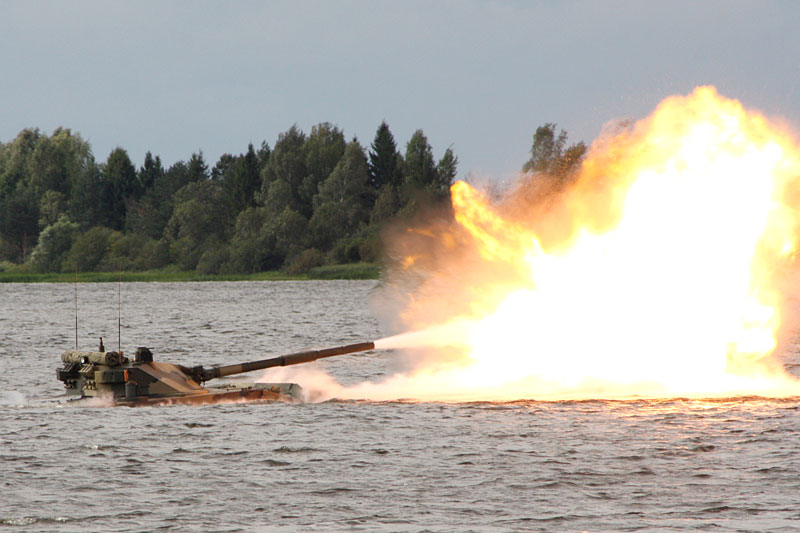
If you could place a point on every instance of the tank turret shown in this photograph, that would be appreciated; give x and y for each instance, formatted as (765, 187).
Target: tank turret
(143, 381)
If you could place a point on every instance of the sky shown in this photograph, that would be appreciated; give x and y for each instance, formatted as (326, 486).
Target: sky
(177, 77)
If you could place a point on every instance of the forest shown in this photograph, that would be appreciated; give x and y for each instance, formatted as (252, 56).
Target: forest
(309, 200)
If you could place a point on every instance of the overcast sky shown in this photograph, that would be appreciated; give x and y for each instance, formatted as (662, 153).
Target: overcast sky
(176, 77)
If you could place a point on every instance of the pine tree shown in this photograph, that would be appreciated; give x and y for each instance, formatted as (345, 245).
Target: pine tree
(242, 180)
(197, 168)
(446, 172)
(121, 188)
(383, 159)
(151, 171)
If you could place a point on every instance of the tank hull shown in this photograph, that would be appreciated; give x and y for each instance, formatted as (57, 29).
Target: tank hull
(212, 397)
(228, 394)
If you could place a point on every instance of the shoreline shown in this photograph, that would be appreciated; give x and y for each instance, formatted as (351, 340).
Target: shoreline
(344, 272)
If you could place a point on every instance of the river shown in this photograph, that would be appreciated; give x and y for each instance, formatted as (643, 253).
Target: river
(355, 465)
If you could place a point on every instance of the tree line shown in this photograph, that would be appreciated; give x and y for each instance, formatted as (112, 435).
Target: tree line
(310, 199)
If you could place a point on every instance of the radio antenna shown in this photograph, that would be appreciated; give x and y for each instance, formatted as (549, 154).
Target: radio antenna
(76, 306)
(119, 310)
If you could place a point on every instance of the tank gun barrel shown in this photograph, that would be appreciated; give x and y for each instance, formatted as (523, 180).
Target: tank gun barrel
(283, 360)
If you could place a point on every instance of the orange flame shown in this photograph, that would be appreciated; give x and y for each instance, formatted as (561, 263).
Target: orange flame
(661, 272)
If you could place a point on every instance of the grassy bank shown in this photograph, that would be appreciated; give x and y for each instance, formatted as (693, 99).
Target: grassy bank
(349, 271)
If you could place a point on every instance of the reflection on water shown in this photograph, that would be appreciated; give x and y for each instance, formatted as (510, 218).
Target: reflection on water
(355, 465)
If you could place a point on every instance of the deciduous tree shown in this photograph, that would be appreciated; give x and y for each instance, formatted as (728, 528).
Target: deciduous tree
(54, 243)
(343, 202)
(549, 155)
(420, 169)
(287, 162)
(324, 148)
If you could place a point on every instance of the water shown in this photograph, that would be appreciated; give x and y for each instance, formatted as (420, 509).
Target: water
(354, 465)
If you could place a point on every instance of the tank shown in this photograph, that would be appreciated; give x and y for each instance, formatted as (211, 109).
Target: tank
(141, 381)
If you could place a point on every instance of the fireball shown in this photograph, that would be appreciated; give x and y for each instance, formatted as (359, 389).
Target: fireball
(663, 269)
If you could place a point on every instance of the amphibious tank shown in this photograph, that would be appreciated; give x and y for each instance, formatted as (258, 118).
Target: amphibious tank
(141, 381)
